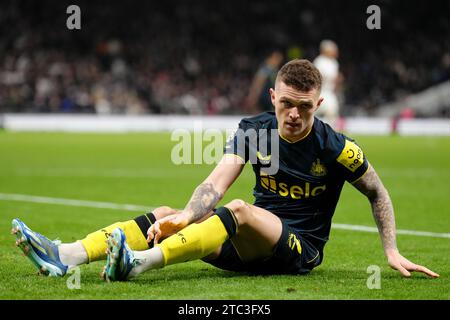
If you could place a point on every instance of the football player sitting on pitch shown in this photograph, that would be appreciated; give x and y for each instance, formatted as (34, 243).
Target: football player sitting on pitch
(284, 231)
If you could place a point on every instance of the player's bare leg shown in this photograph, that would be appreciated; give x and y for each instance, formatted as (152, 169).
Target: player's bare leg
(255, 232)
(258, 231)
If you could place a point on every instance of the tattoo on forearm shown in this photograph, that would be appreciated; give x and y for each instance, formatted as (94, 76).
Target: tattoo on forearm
(203, 200)
(382, 208)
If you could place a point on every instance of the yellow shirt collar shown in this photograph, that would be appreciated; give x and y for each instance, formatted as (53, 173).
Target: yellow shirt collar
(300, 139)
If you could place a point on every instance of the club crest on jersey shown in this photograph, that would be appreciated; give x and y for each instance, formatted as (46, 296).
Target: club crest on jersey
(318, 169)
(264, 160)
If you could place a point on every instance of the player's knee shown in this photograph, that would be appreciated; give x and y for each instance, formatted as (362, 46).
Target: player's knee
(163, 211)
(237, 205)
(213, 256)
(241, 210)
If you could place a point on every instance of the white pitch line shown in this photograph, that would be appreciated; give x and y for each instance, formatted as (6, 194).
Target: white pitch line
(399, 231)
(72, 202)
(133, 207)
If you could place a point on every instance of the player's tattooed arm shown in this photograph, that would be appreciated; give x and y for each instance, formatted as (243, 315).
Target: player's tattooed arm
(383, 212)
(382, 209)
(203, 200)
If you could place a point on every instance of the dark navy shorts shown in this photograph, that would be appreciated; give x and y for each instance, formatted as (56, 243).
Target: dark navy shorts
(293, 254)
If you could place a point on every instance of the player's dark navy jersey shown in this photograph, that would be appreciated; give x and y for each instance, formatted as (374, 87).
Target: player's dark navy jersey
(305, 190)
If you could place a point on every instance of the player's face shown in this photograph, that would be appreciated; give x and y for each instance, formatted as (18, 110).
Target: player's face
(294, 110)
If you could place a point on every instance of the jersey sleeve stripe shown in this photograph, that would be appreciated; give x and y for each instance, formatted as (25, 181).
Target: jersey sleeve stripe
(367, 170)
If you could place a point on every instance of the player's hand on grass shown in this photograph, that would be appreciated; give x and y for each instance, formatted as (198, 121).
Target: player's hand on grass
(400, 263)
(166, 227)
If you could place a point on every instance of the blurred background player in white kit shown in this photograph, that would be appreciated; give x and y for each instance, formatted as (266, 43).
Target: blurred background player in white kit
(328, 66)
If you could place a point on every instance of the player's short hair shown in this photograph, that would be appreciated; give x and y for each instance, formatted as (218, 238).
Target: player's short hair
(300, 74)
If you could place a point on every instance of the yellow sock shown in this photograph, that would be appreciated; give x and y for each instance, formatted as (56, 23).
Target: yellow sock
(194, 242)
(95, 243)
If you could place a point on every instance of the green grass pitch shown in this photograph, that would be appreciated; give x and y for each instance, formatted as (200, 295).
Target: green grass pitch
(136, 169)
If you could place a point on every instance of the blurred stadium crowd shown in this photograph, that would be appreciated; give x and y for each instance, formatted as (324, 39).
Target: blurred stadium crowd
(199, 57)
